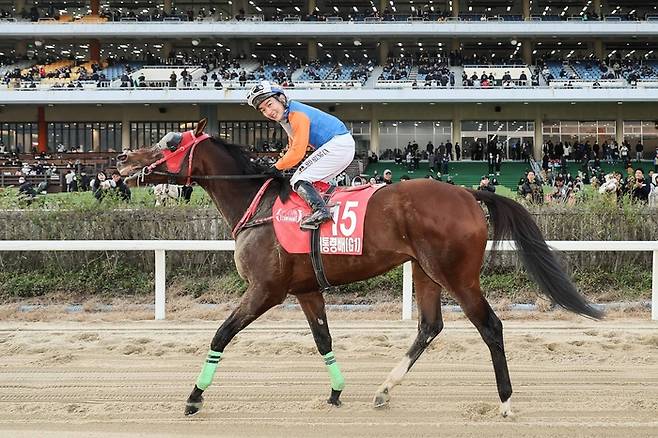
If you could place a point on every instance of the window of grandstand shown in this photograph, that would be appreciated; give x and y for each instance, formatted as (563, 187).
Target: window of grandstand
(361, 133)
(149, 133)
(258, 136)
(396, 134)
(84, 136)
(645, 132)
(18, 136)
(511, 134)
(593, 131)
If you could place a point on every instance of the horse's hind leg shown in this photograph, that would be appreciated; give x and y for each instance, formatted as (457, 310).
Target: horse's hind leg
(478, 310)
(430, 324)
(254, 303)
(313, 306)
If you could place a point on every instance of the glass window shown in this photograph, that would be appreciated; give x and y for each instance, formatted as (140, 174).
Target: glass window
(397, 134)
(598, 131)
(18, 136)
(85, 136)
(508, 135)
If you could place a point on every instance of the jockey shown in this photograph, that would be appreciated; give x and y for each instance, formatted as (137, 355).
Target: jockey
(331, 141)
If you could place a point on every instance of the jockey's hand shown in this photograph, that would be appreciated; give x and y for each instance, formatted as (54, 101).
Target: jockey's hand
(272, 172)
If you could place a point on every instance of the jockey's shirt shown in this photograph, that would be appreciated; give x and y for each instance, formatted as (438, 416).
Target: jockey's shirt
(306, 126)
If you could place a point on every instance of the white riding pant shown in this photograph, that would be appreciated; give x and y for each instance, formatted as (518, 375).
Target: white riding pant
(327, 161)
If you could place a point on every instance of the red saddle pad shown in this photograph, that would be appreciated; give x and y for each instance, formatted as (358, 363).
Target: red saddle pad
(343, 236)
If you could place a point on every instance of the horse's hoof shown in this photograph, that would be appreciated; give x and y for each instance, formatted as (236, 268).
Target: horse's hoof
(506, 409)
(382, 399)
(334, 399)
(193, 408)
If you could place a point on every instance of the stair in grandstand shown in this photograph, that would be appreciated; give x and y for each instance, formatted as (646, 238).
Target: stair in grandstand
(413, 73)
(374, 75)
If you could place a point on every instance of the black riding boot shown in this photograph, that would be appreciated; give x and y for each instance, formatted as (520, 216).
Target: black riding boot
(320, 213)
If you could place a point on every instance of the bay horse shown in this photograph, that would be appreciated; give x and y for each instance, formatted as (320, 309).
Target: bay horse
(439, 227)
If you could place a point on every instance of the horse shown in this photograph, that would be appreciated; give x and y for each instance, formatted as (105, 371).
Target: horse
(171, 192)
(440, 228)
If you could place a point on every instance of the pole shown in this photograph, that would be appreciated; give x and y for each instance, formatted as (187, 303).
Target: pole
(654, 288)
(407, 290)
(159, 284)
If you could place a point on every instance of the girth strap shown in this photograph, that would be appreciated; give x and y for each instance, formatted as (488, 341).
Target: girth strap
(316, 256)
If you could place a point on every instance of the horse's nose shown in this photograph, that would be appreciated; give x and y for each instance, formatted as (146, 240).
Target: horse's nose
(121, 158)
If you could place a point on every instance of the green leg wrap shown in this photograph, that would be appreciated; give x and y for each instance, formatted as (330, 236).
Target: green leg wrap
(337, 380)
(205, 377)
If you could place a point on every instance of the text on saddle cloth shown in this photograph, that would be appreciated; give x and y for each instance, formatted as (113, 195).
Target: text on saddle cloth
(342, 236)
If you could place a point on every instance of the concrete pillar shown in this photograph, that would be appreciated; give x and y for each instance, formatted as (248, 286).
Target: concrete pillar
(96, 139)
(455, 8)
(382, 53)
(20, 6)
(167, 6)
(526, 49)
(619, 135)
(374, 129)
(539, 136)
(311, 50)
(457, 130)
(597, 7)
(454, 45)
(94, 50)
(598, 50)
(125, 133)
(95, 7)
(42, 136)
(166, 49)
(311, 6)
(21, 48)
(526, 9)
(383, 4)
(209, 111)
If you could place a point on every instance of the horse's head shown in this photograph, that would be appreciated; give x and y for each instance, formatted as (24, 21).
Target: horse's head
(152, 159)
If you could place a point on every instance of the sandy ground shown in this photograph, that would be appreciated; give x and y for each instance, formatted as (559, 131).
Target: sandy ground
(572, 377)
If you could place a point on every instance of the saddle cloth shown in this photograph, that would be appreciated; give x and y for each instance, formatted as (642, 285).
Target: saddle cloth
(342, 236)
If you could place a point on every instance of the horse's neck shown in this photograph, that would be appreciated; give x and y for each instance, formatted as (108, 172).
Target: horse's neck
(232, 199)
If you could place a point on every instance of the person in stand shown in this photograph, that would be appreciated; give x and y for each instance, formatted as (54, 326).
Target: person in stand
(332, 146)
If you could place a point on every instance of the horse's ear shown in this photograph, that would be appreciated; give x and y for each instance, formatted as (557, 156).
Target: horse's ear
(200, 127)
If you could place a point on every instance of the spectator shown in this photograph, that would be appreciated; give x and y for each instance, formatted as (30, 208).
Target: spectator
(69, 179)
(655, 162)
(388, 177)
(641, 188)
(532, 190)
(26, 190)
(485, 184)
(120, 186)
(561, 193)
(100, 185)
(639, 148)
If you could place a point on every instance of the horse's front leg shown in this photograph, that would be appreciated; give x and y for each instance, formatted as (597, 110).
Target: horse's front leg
(256, 301)
(313, 306)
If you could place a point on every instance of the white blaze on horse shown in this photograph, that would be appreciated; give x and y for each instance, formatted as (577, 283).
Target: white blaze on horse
(165, 193)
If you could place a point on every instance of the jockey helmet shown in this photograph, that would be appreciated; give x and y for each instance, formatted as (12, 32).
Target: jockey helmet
(262, 91)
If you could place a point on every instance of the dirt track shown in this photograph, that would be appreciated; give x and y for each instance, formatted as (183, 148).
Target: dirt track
(571, 378)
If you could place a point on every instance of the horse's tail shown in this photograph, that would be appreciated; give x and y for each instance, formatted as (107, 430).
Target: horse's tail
(511, 219)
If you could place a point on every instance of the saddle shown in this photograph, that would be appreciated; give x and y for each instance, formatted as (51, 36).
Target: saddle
(342, 236)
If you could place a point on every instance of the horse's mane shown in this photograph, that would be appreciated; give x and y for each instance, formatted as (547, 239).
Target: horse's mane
(247, 163)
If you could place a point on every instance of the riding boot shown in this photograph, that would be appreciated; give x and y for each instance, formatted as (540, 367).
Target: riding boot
(320, 213)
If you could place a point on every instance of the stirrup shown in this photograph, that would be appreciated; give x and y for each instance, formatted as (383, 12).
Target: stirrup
(315, 219)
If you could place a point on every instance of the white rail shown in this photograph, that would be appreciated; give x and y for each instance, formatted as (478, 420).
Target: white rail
(161, 246)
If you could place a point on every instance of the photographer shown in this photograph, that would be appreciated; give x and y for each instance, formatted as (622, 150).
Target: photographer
(641, 188)
(532, 190)
(561, 193)
(485, 184)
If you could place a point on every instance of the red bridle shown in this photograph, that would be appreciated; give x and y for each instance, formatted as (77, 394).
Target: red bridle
(174, 160)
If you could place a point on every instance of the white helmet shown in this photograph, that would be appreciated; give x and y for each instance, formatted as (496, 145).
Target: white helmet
(262, 91)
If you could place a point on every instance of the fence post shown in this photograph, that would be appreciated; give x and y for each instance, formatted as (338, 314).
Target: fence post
(160, 284)
(407, 289)
(654, 287)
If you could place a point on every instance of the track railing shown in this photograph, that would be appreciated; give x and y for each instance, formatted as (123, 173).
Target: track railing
(161, 246)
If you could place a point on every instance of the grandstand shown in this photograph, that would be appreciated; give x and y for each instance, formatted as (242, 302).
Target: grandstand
(99, 77)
